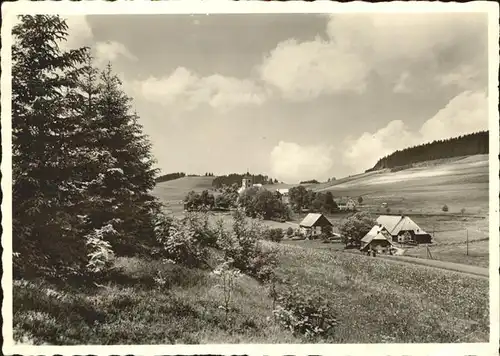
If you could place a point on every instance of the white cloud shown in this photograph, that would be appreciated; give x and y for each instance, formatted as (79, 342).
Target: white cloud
(187, 89)
(362, 153)
(357, 44)
(79, 32)
(402, 85)
(292, 162)
(306, 70)
(464, 114)
(463, 76)
(109, 51)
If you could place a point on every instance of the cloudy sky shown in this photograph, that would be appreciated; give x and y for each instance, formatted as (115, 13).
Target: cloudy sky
(294, 96)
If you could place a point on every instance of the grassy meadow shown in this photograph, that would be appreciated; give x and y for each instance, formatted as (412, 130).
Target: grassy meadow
(150, 302)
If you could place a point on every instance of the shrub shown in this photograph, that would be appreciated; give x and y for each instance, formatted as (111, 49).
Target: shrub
(305, 312)
(388, 210)
(228, 277)
(355, 227)
(243, 247)
(289, 232)
(100, 254)
(275, 235)
(184, 242)
(445, 208)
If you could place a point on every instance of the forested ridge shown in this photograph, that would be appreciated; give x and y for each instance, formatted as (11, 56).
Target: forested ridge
(465, 145)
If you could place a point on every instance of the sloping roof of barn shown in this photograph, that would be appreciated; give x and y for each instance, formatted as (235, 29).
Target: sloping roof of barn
(395, 224)
(377, 233)
(314, 219)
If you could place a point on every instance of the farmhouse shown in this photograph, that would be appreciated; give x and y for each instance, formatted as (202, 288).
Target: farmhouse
(402, 228)
(313, 224)
(348, 204)
(378, 238)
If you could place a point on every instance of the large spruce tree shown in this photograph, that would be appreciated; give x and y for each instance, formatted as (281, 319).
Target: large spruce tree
(82, 169)
(127, 185)
(44, 185)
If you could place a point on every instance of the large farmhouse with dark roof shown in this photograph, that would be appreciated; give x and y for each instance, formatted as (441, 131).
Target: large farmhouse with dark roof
(400, 227)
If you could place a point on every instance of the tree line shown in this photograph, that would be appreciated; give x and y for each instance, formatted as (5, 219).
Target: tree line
(256, 202)
(311, 181)
(465, 145)
(170, 176)
(235, 178)
(302, 198)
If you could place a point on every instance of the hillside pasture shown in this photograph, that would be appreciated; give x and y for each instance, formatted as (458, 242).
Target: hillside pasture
(172, 193)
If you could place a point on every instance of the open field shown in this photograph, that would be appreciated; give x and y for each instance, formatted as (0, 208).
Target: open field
(425, 189)
(172, 192)
(375, 301)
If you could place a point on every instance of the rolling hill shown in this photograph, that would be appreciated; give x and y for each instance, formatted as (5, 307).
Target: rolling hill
(465, 145)
(460, 183)
(172, 192)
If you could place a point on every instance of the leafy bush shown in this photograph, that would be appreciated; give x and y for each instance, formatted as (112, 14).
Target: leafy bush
(289, 232)
(186, 242)
(228, 277)
(355, 227)
(275, 235)
(243, 247)
(445, 208)
(100, 254)
(305, 312)
(197, 202)
(259, 202)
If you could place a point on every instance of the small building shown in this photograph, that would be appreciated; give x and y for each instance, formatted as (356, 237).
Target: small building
(348, 204)
(284, 194)
(246, 182)
(378, 238)
(313, 224)
(402, 228)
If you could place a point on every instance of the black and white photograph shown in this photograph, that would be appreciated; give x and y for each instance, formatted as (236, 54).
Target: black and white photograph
(250, 174)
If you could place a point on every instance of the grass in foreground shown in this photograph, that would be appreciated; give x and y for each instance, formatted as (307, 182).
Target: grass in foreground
(378, 301)
(375, 302)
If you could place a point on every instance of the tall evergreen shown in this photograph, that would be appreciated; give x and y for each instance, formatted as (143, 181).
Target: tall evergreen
(127, 184)
(44, 149)
(82, 168)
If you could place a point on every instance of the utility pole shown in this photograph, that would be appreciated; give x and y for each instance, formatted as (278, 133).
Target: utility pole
(467, 230)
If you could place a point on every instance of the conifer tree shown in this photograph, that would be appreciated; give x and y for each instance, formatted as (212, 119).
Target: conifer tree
(43, 150)
(127, 184)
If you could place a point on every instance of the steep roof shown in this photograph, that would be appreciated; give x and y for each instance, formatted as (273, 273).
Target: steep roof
(396, 224)
(377, 233)
(389, 221)
(314, 219)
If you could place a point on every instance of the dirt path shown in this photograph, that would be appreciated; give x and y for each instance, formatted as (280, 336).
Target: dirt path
(457, 267)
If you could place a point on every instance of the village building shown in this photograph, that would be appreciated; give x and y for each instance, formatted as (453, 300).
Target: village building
(284, 194)
(313, 224)
(378, 238)
(402, 228)
(349, 204)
